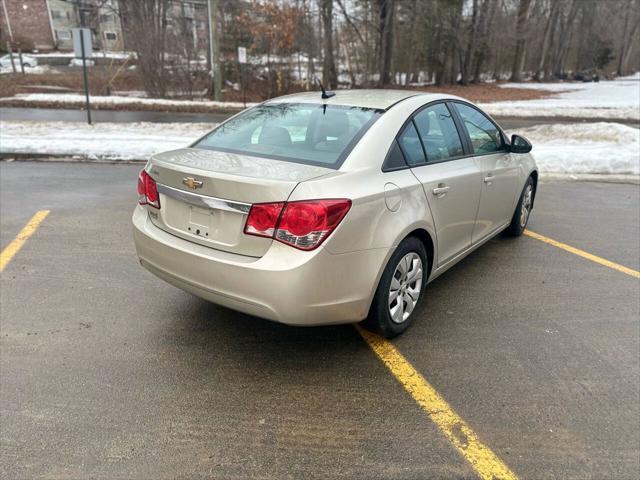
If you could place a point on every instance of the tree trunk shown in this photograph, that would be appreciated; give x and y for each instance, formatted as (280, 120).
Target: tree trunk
(546, 40)
(214, 51)
(329, 75)
(386, 10)
(486, 35)
(465, 65)
(627, 55)
(566, 28)
(518, 59)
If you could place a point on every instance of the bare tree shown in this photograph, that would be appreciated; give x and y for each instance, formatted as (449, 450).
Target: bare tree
(631, 23)
(471, 45)
(329, 75)
(519, 56)
(145, 25)
(386, 11)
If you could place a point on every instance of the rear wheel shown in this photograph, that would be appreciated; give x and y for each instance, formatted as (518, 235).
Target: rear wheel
(400, 289)
(523, 210)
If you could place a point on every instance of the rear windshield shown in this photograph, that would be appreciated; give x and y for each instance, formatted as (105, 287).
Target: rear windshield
(304, 133)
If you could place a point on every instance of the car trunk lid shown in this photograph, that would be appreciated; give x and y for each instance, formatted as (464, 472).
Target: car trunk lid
(205, 195)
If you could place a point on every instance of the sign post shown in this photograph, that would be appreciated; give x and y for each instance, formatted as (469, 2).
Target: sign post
(242, 58)
(81, 47)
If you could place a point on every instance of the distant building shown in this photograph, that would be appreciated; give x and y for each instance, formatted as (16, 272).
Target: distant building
(64, 17)
(189, 18)
(193, 17)
(101, 16)
(47, 24)
(26, 24)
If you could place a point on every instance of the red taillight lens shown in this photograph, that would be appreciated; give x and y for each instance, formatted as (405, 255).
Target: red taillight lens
(263, 218)
(304, 225)
(147, 190)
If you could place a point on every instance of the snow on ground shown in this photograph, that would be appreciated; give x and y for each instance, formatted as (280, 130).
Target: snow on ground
(615, 99)
(38, 70)
(608, 148)
(72, 99)
(116, 55)
(126, 141)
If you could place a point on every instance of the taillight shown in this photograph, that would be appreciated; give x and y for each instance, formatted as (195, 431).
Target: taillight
(304, 225)
(263, 218)
(147, 190)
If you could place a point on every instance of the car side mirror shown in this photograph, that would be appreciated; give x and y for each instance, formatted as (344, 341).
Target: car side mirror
(520, 144)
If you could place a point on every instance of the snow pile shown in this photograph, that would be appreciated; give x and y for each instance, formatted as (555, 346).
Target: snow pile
(77, 62)
(72, 99)
(609, 148)
(115, 55)
(617, 99)
(125, 141)
(38, 70)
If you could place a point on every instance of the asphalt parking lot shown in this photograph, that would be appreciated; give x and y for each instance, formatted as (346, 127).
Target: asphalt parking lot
(107, 372)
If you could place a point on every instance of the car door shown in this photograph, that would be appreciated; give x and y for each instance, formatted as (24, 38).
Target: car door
(499, 170)
(451, 181)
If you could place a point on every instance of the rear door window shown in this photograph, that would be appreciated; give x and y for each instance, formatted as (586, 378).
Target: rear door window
(395, 158)
(411, 145)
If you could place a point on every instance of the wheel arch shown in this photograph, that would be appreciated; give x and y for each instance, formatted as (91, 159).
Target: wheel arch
(425, 237)
(534, 177)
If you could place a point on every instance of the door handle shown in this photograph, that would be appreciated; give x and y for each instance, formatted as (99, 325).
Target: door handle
(489, 179)
(441, 190)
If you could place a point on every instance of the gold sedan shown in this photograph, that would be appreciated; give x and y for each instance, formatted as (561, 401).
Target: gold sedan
(312, 210)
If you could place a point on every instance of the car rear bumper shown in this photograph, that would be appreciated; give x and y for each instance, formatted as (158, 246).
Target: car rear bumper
(285, 285)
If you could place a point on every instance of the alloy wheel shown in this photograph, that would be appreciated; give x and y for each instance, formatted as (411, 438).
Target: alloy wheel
(405, 288)
(526, 205)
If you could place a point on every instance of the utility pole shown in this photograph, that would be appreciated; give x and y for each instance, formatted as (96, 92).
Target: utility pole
(214, 50)
(6, 16)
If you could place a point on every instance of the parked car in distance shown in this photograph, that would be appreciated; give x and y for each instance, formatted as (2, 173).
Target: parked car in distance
(313, 210)
(27, 60)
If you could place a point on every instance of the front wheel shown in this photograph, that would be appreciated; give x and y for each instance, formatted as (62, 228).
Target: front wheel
(400, 289)
(523, 210)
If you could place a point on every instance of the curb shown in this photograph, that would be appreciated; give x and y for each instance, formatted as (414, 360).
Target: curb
(62, 158)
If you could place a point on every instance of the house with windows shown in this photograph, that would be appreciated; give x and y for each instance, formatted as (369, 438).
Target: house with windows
(26, 24)
(64, 17)
(47, 24)
(101, 16)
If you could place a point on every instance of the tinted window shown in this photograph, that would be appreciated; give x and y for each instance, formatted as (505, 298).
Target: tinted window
(485, 136)
(395, 158)
(411, 145)
(438, 133)
(304, 133)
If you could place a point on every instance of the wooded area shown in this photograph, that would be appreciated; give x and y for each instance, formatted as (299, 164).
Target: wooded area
(388, 43)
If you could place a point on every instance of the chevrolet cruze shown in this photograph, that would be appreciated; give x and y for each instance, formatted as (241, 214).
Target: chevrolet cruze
(315, 209)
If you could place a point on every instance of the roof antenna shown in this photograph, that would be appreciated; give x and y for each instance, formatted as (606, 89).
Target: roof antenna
(325, 94)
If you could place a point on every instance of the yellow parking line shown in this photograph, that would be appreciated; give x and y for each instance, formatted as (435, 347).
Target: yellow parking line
(486, 464)
(583, 254)
(16, 244)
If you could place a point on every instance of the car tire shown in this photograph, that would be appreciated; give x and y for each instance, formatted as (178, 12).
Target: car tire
(523, 210)
(407, 268)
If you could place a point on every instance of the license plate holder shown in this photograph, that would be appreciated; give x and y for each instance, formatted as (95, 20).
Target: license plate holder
(200, 221)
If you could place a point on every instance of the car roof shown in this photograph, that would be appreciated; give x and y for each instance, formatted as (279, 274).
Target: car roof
(379, 99)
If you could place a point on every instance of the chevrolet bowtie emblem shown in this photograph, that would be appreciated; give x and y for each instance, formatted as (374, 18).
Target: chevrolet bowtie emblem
(192, 183)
